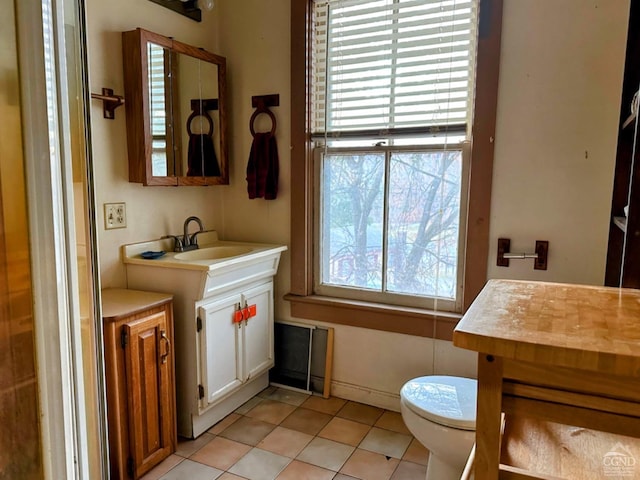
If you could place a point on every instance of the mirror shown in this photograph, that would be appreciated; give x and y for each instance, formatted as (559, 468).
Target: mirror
(176, 121)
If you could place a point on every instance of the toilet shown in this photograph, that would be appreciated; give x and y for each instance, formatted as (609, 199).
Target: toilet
(440, 412)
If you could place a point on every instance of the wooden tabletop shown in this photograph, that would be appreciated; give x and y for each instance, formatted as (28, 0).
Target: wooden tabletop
(577, 326)
(121, 302)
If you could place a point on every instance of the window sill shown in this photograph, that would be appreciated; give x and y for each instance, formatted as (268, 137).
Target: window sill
(376, 316)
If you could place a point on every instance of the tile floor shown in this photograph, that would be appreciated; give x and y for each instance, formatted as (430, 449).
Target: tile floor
(286, 435)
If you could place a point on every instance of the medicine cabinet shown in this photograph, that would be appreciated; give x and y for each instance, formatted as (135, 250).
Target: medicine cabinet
(176, 111)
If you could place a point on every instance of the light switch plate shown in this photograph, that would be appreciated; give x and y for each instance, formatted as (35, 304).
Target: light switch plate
(115, 215)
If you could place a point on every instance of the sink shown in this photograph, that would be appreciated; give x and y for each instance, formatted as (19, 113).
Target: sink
(215, 257)
(213, 253)
(215, 268)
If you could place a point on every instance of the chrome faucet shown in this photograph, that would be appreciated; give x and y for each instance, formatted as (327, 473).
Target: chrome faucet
(191, 243)
(177, 245)
(185, 242)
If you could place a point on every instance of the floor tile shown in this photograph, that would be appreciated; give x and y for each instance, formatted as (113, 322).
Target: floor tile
(370, 466)
(392, 421)
(287, 396)
(271, 411)
(248, 405)
(221, 453)
(186, 448)
(360, 412)
(386, 442)
(285, 442)
(329, 405)
(306, 421)
(248, 430)
(326, 453)
(229, 476)
(192, 471)
(260, 465)
(303, 471)
(344, 431)
(316, 439)
(224, 423)
(409, 471)
(163, 467)
(266, 393)
(416, 453)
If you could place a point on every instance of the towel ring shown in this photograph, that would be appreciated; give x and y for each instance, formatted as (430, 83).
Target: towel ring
(195, 114)
(255, 115)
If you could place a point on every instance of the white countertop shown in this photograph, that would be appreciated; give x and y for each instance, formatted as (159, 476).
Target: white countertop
(131, 253)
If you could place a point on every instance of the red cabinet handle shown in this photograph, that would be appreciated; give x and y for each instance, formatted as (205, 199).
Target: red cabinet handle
(249, 311)
(244, 313)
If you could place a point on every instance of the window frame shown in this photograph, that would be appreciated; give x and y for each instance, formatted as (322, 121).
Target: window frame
(415, 321)
(390, 297)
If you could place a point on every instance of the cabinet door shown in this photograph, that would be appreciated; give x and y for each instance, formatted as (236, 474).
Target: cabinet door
(220, 360)
(148, 361)
(258, 332)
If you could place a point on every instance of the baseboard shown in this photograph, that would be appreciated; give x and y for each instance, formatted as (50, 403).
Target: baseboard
(356, 393)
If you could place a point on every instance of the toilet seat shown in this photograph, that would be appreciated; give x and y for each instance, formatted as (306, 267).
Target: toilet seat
(448, 401)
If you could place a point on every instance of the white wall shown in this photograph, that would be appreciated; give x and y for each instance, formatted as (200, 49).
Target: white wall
(560, 82)
(561, 76)
(254, 37)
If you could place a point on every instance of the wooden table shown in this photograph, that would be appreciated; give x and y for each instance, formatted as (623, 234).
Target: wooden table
(560, 353)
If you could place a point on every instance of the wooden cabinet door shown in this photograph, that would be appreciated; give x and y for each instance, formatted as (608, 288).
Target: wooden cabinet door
(220, 359)
(148, 361)
(258, 331)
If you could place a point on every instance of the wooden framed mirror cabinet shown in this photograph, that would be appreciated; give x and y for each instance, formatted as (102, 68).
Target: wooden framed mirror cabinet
(176, 111)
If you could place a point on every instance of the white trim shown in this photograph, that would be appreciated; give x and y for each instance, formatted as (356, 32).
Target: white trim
(368, 396)
(55, 307)
(67, 224)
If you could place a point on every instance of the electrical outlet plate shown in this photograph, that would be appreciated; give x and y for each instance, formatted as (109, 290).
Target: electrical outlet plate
(115, 215)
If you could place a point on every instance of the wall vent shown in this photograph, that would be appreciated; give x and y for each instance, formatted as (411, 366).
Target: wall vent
(303, 358)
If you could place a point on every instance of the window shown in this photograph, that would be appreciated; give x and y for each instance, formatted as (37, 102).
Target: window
(389, 225)
(162, 68)
(388, 75)
(158, 109)
(391, 222)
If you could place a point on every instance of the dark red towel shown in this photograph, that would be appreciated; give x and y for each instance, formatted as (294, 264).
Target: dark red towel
(263, 167)
(201, 157)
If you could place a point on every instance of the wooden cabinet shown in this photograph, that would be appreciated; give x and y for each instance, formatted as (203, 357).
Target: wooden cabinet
(139, 367)
(235, 341)
(623, 253)
(176, 111)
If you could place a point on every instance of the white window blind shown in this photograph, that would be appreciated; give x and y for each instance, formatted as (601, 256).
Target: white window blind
(157, 85)
(392, 66)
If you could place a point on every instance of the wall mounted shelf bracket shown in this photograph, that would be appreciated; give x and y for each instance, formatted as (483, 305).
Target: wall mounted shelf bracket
(540, 255)
(188, 8)
(204, 104)
(265, 101)
(109, 102)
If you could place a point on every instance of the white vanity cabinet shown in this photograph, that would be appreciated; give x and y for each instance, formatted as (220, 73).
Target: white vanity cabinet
(223, 310)
(235, 341)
